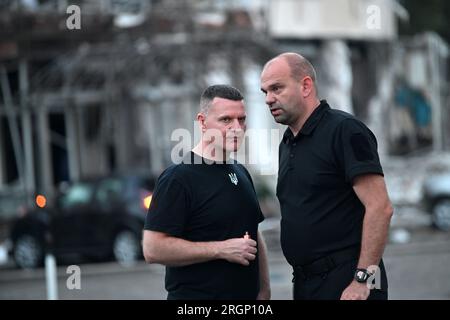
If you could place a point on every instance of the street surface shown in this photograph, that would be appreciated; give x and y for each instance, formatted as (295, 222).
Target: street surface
(416, 270)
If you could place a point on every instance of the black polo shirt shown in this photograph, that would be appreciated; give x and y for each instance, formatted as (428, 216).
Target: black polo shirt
(320, 210)
(200, 200)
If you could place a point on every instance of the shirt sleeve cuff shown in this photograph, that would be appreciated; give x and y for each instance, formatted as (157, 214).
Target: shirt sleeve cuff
(364, 169)
(174, 231)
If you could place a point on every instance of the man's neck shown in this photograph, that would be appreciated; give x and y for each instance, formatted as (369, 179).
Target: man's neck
(208, 152)
(298, 125)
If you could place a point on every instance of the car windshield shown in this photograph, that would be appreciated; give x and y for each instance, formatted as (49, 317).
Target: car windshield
(78, 194)
(109, 190)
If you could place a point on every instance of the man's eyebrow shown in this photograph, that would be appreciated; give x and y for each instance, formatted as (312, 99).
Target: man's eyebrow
(224, 116)
(271, 86)
(275, 84)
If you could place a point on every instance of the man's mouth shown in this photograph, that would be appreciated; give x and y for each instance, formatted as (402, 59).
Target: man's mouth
(234, 137)
(276, 111)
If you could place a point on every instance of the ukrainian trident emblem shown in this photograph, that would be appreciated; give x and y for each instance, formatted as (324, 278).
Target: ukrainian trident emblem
(233, 178)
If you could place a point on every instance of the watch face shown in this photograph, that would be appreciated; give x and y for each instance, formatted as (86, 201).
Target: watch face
(361, 275)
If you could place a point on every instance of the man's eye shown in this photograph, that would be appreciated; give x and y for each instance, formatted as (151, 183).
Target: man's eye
(226, 120)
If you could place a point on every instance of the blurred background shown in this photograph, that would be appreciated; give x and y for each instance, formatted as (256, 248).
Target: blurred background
(91, 92)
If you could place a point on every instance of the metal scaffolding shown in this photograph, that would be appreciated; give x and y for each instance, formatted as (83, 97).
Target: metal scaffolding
(102, 77)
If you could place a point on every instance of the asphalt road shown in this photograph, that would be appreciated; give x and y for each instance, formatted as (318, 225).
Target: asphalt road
(416, 270)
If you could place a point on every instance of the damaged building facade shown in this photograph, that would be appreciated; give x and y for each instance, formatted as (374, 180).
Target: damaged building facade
(107, 97)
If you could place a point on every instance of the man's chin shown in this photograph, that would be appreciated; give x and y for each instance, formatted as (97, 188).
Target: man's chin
(233, 147)
(280, 119)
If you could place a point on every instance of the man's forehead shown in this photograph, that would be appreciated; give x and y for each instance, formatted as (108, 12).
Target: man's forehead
(218, 101)
(223, 104)
(275, 69)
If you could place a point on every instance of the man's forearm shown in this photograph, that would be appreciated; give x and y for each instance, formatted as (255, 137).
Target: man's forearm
(374, 236)
(171, 251)
(179, 252)
(264, 280)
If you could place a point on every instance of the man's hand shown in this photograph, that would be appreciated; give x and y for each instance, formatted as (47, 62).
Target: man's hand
(356, 291)
(238, 250)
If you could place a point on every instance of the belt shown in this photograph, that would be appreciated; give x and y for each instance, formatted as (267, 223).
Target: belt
(327, 263)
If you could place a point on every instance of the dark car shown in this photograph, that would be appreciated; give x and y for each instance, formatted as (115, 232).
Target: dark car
(97, 219)
(436, 198)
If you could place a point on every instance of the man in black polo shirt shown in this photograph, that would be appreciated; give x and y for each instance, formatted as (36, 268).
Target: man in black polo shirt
(334, 204)
(203, 219)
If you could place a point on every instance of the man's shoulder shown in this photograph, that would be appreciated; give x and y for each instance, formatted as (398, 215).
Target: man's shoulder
(174, 172)
(187, 169)
(238, 164)
(342, 119)
(338, 116)
(348, 127)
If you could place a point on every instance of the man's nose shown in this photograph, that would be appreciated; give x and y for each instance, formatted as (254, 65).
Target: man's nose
(236, 125)
(270, 99)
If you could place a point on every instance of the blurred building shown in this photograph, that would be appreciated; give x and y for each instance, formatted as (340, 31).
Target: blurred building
(361, 59)
(107, 96)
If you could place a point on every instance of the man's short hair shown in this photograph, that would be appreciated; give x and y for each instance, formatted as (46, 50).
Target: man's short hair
(220, 91)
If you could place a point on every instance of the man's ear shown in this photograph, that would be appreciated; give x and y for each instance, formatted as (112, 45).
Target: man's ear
(307, 86)
(201, 121)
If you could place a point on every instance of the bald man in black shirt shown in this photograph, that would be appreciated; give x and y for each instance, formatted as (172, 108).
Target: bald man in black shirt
(334, 203)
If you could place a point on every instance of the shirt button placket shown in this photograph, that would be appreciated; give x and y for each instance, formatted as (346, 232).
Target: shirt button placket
(291, 155)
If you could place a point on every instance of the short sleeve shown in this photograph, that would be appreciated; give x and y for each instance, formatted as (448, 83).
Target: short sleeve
(355, 147)
(169, 207)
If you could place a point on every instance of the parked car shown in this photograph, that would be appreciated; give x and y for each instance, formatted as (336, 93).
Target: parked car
(436, 198)
(97, 219)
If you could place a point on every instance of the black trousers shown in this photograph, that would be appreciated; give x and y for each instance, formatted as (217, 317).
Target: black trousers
(330, 285)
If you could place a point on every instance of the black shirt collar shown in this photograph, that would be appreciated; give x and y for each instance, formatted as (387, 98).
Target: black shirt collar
(310, 124)
(194, 158)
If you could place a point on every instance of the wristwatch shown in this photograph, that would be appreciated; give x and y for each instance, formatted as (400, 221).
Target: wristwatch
(361, 275)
